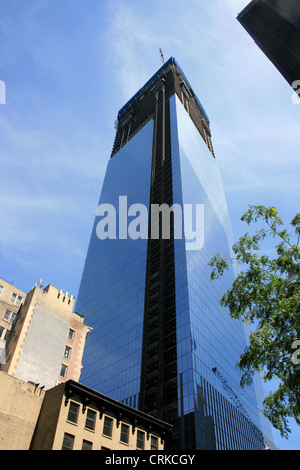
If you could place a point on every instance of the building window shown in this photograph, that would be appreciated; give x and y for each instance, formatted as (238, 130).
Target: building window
(71, 334)
(2, 356)
(107, 426)
(1, 289)
(10, 317)
(6, 315)
(16, 299)
(68, 442)
(4, 333)
(140, 440)
(67, 352)
(124, 433)
(86, 445)
(73, 412)
(63, 370)
(90, 419)
(104, 448)
(154, 443)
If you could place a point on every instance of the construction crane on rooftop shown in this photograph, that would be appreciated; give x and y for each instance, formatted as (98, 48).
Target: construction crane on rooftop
(162, 56)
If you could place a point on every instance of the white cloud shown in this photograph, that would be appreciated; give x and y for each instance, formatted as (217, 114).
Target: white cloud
(236, 5)
(133, 40)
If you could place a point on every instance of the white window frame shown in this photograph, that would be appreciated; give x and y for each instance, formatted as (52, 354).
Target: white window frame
(4, 334)
(11, 317)
(17, 299)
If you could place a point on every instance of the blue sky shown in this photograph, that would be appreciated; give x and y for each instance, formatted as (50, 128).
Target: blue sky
(70, 65)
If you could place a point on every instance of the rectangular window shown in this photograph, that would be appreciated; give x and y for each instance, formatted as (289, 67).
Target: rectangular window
(154, 443)
(90, 419)
(63, 371)
(2, 356)
(86, 445)
(67, 352)
(6, 335)
(16, 299)
(71, 334)
(7, 315)
(124, 433)
(140, 440)
(10, 317)
(107, 426)
(13, 318)
(68, 442)
(73, 412)
(2, 332)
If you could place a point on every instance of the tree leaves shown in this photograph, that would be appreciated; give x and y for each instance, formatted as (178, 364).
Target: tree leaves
(266, 293)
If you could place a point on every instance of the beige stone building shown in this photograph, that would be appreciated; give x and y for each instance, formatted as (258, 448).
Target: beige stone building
(42, 339)
(42, 404)
(75, 417)
(11, 299)
(71, 416)
(20, 406)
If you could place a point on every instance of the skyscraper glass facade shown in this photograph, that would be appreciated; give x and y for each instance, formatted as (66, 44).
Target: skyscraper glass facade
(113, 285)
(161, 342)
(208, 338)
(275, 27)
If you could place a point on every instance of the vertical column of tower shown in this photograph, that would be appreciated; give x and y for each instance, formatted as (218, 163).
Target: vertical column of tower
(159, 365)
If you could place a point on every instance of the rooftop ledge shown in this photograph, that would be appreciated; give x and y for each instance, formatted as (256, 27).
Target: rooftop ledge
(172, 60)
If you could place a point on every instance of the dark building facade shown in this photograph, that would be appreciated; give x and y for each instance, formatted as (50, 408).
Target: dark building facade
(275, 27)
(161, 342)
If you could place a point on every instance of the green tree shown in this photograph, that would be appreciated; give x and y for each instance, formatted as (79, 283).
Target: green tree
(266, 294)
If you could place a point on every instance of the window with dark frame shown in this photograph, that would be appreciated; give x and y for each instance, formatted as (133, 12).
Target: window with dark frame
(124, 437)
(107, 426)
(63, 370)
(90, 419)
(68, 442)
(73, 412)
(86, 445)
(154, 443)
(71, 334)
(140, 440)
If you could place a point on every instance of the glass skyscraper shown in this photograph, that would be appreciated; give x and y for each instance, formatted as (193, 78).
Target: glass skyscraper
(161, 342)
(275, 27)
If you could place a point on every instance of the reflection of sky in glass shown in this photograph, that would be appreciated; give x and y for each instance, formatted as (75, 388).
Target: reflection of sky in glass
(111, 295)
(207, 336)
